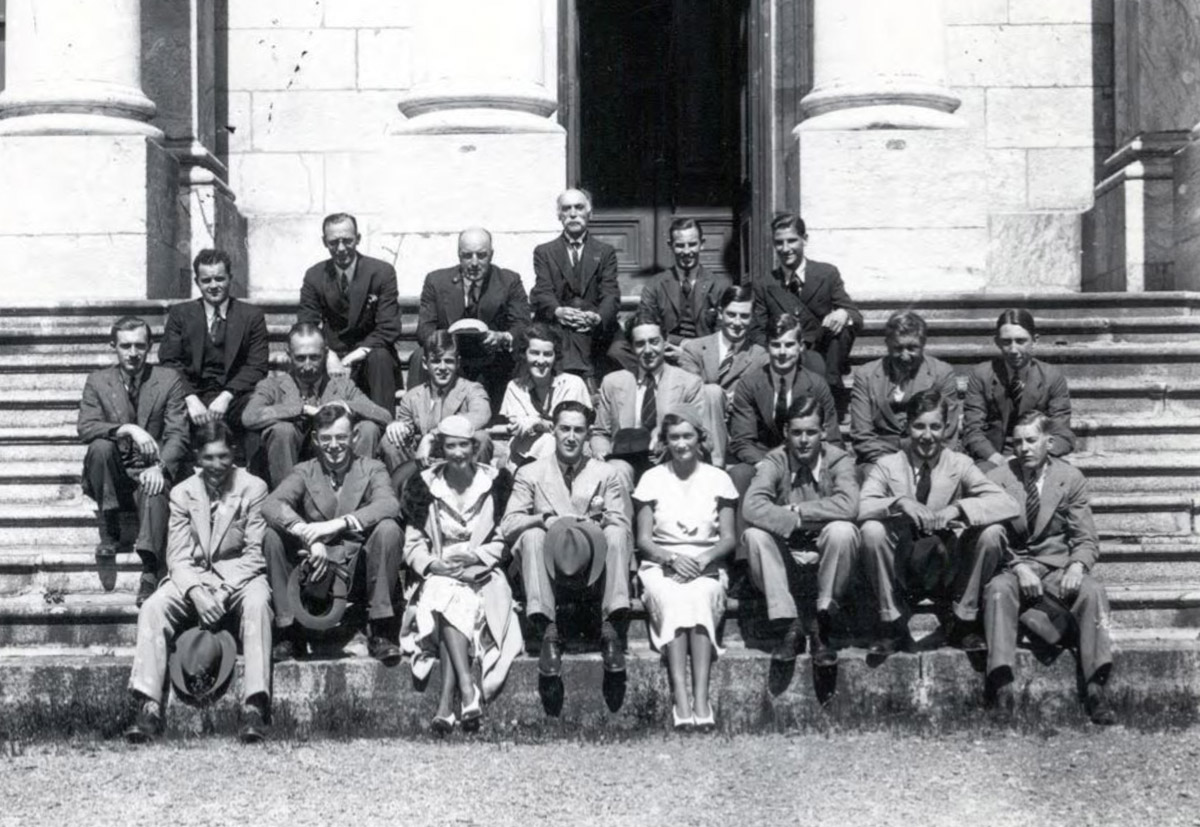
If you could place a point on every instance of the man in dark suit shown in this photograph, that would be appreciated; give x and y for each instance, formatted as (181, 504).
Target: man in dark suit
(577, 288)
(354, 299)
(475, 289)
(813, 292)
(284, 404)
(133, 419)
(334, 509)
(685, 300)
(217, 343)
(1049, 548)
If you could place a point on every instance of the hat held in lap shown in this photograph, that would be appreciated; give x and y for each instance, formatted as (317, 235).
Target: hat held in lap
(201, 665)
(578, 547)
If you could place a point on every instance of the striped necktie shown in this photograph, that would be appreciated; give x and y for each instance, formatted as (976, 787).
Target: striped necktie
(1033, 503)
(649, 404)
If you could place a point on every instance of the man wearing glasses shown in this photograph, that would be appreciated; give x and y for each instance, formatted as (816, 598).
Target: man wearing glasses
(353, 298)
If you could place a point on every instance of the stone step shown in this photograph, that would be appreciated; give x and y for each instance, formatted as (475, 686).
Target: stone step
(1172, 361)
(42, 452)
(1159, 472)
(988, 306)
(1133, 396)
(1121, 433)
(1077, 330)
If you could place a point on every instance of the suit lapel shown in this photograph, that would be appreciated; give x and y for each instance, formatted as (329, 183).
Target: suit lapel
(226, 510)
(147, 399)
(590, 262)
(454, 399)
(1034, 383)
(765, 395)
(1052, 494)
(711, 351)
(199, 506)
(360, 286)
(320, 491)
(564, 263)
(119, 398)
(942, 485)
(333, 291)
(455, 304)
(353, 487)
(812, 284)
(880, 391)
(555, 487)
(233, 333)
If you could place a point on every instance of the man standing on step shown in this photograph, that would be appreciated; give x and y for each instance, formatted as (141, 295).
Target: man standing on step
(1049, 549)
(217, 578)
(284, 404)
(800, 511)
(569, 521)
(133, 419)
(217, 343)
(921, 511)
(354, 299)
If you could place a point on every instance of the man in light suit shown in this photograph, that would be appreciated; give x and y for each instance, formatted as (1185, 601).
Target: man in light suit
(216, 571)
(813, 292)
(475, 289)
(883, 387)
(333, 509)
(683, 300)
(217, 343)
(1049, 548)
(576, 287)
(912, 506)
(629, 400)
(354, 299)
(569, 485)
(133, 419)
(800, 511)
(282, 407)
(763, 396)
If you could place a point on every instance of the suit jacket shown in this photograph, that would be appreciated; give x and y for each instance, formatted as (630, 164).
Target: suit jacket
(987, 409)
(1065, 532)
(277, 399)
(771, 492)
(224, 549)
(246, 346)
(597, 290)
(752, 427)
(662, 299)
(503, 305)
(465, 397)
(954, 480)
(616, 408)
(539, 491)
(702, 356)
(161, 412)
(306, 495)
(823, 292)
(373, 320)
(875, 429)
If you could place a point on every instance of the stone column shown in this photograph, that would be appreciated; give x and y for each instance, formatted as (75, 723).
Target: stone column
(478, 143)
(75, 130)
(891, 184)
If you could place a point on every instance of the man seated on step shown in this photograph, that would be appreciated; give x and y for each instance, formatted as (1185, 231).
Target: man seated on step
(1049, 550)
(333, 510)
(283, 405)
(217, 343)
(883, 387)
(921, 511)
(637, 400)
(409, 440)
(216, 577)
(800, 511)
(133, 419)
(569, 521)
(757, 418)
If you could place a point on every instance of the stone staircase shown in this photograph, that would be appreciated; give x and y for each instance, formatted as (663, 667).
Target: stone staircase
(1133, 362)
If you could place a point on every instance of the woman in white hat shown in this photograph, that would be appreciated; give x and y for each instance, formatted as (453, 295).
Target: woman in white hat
(461, 608)
(685, 530)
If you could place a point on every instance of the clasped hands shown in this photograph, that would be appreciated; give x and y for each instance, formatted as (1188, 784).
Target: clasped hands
(151, 479)
(454, 563)
(684, 569)
(1031, 585)
(925, 518)
(582, 321)
(214, 412)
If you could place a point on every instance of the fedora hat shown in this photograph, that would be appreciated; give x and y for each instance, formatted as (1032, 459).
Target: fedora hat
(630, 442)
(326, 600)
(578, 547)
(201, 665)
(1050, 621)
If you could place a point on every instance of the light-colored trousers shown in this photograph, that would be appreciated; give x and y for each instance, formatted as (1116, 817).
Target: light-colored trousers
(773, 569)
(539, 572)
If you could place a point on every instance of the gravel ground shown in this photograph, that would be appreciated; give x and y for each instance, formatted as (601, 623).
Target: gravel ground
(1114, 777)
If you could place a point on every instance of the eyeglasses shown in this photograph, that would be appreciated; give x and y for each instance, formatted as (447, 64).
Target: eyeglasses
(341, 242)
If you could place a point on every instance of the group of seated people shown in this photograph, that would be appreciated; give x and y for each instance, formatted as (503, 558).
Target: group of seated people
(712, 444)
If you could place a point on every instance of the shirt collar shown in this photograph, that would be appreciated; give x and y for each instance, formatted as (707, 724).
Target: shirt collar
(814, 469)
(657, 374)
(349, 271)
(797, 274)
(1039, 477)
(580, 241)
(209, 310)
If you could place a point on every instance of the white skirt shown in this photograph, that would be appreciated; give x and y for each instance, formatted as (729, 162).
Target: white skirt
(675, 607)
(458, 603)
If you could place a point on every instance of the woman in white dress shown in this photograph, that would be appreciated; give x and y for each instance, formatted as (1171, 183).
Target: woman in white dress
(685, 530)
(530, 397)
(461, 608)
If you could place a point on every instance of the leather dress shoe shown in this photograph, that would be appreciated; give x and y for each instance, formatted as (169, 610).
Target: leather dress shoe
(824, 654)
(790, 645)
(146, 725)
(1004, 699)
(612, 653)
(1097, 706)
(383, 650)
(287, 647)
(254, 726)
(107, 549)
(550, 659)
(962, 635)
(147, 585)
(894, 639)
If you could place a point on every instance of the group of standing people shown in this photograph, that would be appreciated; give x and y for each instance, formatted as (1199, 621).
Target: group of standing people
(651, 455)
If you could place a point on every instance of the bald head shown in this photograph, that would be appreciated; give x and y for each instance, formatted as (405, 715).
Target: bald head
(474, 252)
(575, 211)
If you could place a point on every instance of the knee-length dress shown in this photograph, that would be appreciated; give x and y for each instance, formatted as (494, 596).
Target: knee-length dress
(686, 522)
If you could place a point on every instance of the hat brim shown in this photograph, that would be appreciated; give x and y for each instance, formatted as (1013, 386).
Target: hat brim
(332, 615)
(556, 539)
(224, 671)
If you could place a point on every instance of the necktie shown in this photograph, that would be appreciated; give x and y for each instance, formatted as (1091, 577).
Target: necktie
(344, 284)
(133, 387)
(795, 284)
(569, 477)
(472, 311)
(724, 367)
(1032, 505)
(649, 404)
(576, 252)
(805, 483)
(685, 287)
(216, 329)
(781, 404)
(923, 484)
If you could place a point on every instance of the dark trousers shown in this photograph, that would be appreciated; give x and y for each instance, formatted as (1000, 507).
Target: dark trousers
(281, 445)
(382, 551)
(376, 377)
(110, 478)
(836, 352)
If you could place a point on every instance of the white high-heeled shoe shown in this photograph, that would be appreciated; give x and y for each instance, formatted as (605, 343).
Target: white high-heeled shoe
(474, 710)
(683, 724)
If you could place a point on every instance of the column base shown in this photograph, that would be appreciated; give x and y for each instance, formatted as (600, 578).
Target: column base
(76, 123)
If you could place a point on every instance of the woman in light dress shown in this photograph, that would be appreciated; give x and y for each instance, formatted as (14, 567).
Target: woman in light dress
(532, 394)
(460, 609)
(685, 530)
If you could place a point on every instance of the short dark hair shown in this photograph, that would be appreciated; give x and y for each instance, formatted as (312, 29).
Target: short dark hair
(637, 320)
(215, 430)
(438, 344)
(208, 257)
(788, 221)
(785, 323)
(670, 420)
(736, 293)
(805, 406)
(905, 323)
(922, 402)
(1018, 316)
(128, 323)
(338, 218)
(1037, 418)
(681, 224)
(573, 406)
(330, 413)
(300, 329)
